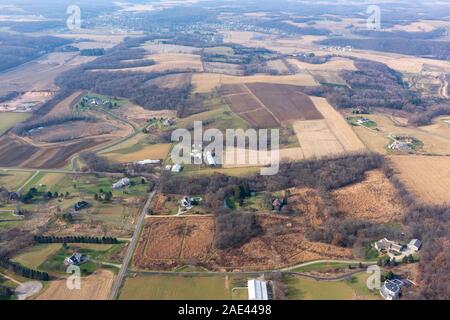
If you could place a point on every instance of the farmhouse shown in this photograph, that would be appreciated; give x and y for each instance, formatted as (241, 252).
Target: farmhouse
(390, 290)
(415, 244)
(362, 120)
(186, 203)
(386, 245)
(400, 146)
(125, 182)
(75, 259)
(257, 290)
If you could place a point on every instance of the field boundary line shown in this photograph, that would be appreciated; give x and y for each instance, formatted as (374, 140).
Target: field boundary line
(28, 181)
(261, 103)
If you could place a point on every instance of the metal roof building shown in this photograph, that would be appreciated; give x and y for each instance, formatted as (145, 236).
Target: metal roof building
(257, 290)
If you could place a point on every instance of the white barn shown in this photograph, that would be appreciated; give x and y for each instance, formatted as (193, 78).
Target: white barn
(257, 290)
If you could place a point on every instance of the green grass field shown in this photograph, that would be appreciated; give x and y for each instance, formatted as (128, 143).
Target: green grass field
(50, 257)
(323, 266)
(174, 287)
(308, 289)
(37, 255)
(10, 119)
(13, 180)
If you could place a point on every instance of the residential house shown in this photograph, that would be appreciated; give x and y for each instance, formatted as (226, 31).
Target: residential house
(390, 290)
(388, 246)
(75, 259)
(125, 182)
(80, 205)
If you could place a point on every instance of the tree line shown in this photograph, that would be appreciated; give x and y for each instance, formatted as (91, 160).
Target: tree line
(29, 273)
(26, 128)
(75, 239)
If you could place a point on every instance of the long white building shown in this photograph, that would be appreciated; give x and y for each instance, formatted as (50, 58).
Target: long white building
(257, 290)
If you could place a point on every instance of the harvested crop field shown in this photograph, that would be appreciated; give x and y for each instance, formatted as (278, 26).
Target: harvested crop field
(168, 243)
(15, 152)
(279, 66)
(374, 199)
(329, 136)
(426, 177)
(206, 82)
(223, 68)
(39, 75)
(173, 81)
(94, 287)
(153, 151)
(335, 64)
(265, 105)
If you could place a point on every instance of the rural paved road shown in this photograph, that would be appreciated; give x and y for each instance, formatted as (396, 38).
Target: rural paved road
(131, 247)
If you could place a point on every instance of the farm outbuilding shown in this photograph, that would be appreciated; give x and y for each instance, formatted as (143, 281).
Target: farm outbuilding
(257, 290)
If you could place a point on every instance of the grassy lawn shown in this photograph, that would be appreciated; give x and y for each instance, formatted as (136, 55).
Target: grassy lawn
(174, 287)
(235, 172)
(323, 266)
(10, 119)
(308, 289)
(369, 124)
(13, 180)
(97, 253)
(37, 255)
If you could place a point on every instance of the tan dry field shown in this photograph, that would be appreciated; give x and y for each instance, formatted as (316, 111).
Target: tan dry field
(137, 114)
(418, 26)
(278, 65)
(65, 106)
(289, 45)
(96, 38)
(435, 137)
(223, 68)
(154, 151)
(94, 287)
(173, 81)
(398, 62)
(167, 243)
(426, 177)
(39, 75)
(155, 48)
(329, 136)
(335, 64)
(206, 82)
(373, 199)
(182, 62)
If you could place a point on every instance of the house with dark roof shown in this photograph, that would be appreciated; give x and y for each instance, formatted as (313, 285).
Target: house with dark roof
(390, 290)
(75, 259)
(80, 205)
